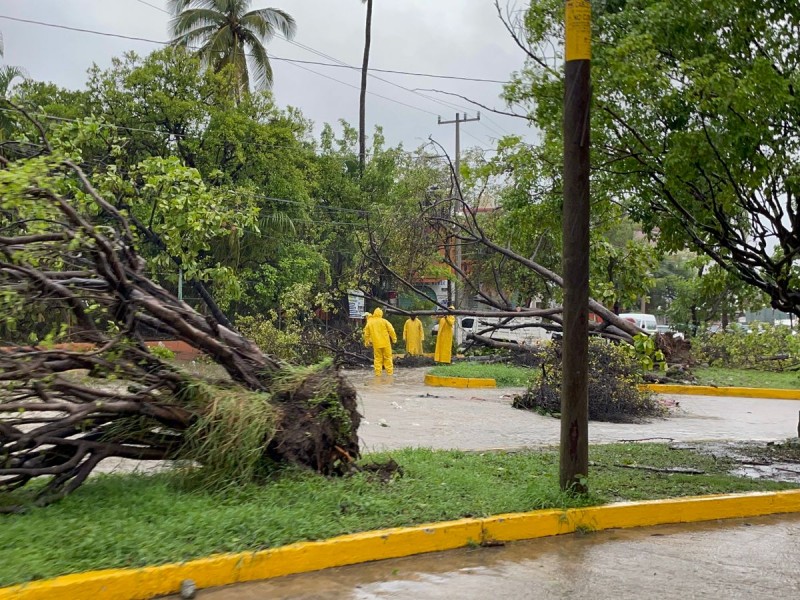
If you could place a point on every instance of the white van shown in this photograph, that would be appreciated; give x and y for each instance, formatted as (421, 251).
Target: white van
(511, 331)
(642, 321)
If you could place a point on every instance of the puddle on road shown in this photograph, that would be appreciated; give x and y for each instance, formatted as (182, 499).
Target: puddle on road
(789, 472)
(756, 460)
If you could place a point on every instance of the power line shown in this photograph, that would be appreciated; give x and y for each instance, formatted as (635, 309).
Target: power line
(294, 62)
(337, 63)
(162, 43)
(272, 57)
(355, 87)
(346, 66)
(341, 64)
(124, 128)
(153, 6)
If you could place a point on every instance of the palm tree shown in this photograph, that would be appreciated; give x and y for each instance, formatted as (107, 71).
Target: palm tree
(225, 33)
(8, 73)
(362, 105)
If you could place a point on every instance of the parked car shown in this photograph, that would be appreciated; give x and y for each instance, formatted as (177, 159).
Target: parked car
(520, 330)
(667, 329)
(511, 331)
(642, 321)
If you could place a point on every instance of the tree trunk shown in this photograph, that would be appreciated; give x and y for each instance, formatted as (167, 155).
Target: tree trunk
(574, 451)
(362, 105)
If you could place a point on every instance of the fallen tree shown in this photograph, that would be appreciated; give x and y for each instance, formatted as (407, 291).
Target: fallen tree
(441, 228)
(65, 246)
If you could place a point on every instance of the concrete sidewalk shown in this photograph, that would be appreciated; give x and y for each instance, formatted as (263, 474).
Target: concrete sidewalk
(744, 558)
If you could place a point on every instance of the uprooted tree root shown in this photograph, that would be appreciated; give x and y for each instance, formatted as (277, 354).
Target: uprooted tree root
(309, 419)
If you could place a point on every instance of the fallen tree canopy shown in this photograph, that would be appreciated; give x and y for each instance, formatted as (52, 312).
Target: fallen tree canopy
(454, 222)
(63, 246)
(614, 375)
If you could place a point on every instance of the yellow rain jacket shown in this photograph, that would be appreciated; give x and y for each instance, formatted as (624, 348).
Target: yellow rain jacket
(444, 340)
(380, 334)
(413, 335)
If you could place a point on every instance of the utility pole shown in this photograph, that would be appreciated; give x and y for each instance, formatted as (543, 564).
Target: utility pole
(574, 463)
(457, 122)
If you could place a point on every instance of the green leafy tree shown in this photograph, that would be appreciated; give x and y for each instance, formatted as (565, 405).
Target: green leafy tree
(525, 185)
(227, 34)
(694, 126)
(710, 294)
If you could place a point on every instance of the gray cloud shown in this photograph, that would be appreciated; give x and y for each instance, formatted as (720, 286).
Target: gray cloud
(454, 37)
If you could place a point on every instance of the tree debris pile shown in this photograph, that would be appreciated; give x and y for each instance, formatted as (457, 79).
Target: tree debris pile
(63, 246)
(614, 396)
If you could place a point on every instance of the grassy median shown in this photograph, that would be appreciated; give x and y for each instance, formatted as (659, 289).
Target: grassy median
(504, 375)
(785, 380)
(134, 520)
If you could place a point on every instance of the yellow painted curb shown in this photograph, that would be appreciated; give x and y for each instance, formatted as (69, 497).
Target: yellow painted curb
(459, 382)
(148, 582)
(708, 390)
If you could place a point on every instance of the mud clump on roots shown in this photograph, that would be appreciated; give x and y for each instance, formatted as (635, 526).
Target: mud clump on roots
(318, 420)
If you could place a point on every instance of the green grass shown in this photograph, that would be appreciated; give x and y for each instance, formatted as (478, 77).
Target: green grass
(747, 378)
(505, 375)
(133, 520)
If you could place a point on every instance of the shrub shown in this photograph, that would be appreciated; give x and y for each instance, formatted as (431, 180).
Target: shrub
(764, 346)
(283, 343)
(293, 342)
(614, 375)
(161, 351)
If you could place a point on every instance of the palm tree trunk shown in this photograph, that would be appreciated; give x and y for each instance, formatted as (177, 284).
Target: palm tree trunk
(362, 112)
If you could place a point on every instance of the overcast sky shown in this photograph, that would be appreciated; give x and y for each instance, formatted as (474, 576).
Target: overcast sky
(452, 37)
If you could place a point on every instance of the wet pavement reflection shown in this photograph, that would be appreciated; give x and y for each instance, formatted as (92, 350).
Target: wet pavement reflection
(742, 558)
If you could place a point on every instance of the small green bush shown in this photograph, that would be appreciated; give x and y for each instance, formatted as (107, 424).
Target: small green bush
(283, 343)
(162, 352)
(614, 375)
(765, 347)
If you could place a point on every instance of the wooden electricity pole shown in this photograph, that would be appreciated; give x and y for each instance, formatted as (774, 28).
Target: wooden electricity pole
(574, 463)
(455, 297)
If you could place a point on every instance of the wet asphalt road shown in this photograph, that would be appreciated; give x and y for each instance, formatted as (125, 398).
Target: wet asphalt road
(416, 415)
(742, 558)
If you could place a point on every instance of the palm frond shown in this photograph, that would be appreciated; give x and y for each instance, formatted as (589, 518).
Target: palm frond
(223, 29)
(178, 6)
(7, 75)
(275, 223)
(195, 37)
(262, 69)
(220, 44)
(195, 18)
(265, 21)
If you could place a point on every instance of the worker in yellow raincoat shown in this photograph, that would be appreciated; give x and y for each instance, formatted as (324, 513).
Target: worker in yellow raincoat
(444, 339)
(380, 334)
(413, 335)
